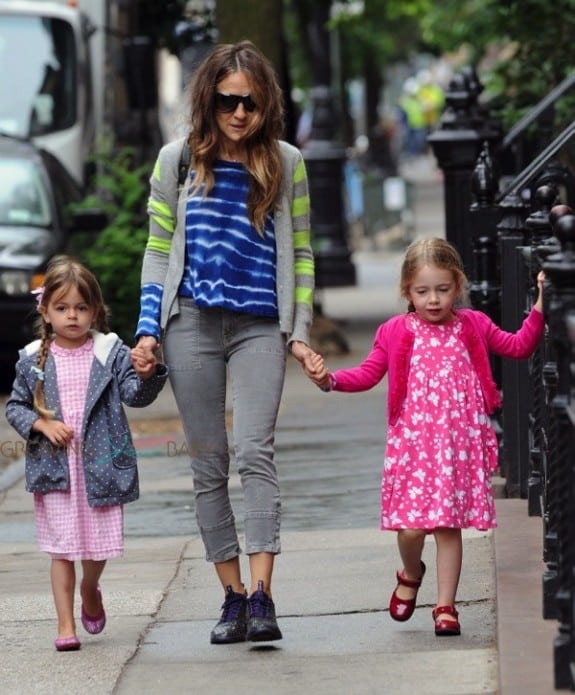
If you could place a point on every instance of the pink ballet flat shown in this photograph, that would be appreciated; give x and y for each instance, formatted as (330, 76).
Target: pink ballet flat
(94, 625)
(67, 644)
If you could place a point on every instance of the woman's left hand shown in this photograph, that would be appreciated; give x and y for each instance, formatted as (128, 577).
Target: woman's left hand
(304, 355)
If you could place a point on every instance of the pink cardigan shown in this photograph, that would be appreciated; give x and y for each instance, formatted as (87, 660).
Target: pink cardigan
(393, 343)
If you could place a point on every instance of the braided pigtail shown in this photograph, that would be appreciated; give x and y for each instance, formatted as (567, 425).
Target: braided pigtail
(39, 397)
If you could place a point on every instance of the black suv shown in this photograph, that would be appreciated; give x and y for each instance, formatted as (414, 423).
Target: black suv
(35, 224)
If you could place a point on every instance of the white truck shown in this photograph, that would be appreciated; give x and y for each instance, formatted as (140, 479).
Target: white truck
(52, 60)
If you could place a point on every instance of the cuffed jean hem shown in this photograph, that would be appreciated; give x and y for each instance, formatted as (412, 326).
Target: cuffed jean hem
(224, 557)
(274, 550)
(260, 525)
(228, 546)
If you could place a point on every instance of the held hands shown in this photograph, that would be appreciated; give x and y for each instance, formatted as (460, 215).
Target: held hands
(58, 432)
(144, 357)
(312, 363)
(319, 373)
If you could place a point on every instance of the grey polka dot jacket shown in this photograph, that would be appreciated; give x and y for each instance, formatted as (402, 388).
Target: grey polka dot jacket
(107, 449)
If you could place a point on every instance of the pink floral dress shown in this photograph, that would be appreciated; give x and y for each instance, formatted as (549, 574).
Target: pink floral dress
(441, 452)
(66, 526)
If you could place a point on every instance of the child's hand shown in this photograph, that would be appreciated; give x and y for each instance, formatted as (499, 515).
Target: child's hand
(318, 372)
(144, 362)
(540, 281)
(58, 432)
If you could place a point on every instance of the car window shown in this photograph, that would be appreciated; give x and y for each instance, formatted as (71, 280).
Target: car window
(23, 197)
(39, 54)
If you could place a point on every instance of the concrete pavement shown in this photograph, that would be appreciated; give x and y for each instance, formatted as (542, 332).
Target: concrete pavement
(332, 581)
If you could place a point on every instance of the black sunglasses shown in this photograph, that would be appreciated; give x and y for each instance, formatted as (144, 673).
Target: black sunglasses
(228, 103)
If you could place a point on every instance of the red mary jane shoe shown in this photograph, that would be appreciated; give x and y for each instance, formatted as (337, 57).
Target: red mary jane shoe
(401, 609)
(445, 627)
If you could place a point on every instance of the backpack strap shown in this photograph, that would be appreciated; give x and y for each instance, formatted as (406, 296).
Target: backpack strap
(184, 165)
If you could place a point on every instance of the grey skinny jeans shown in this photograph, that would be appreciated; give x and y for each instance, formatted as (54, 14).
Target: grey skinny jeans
(200, 346)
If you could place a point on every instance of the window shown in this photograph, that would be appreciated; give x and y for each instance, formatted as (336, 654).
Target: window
(39, 54)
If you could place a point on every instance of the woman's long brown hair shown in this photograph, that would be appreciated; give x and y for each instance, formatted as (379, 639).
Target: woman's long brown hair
(266, 126)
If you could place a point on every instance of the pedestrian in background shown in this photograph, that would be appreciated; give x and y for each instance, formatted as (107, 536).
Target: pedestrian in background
(412, 120)
(441, 447)
(227, 285)
(66, 402)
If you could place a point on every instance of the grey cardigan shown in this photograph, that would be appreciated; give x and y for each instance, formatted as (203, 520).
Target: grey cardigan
(164, 258)
(106, 447)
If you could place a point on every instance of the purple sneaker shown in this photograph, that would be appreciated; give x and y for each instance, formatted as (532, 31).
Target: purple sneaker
(231, 627)
(262, 623)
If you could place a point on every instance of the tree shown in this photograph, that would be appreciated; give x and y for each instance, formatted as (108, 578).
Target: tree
(531, 42)
(385, 31)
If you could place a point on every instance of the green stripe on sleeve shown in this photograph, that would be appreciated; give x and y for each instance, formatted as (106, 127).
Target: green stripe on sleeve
(159, 208)
(157, 244)
(304, 266)
(162, 222)
(304, 295)
(301, 239)
(299, 174)
(300, 206)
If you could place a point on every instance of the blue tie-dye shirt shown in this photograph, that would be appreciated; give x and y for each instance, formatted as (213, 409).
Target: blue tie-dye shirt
(228, 264)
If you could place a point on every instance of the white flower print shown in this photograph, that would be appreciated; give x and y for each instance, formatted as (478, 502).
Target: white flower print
(414, 515)
(419, 473)
(415, 492)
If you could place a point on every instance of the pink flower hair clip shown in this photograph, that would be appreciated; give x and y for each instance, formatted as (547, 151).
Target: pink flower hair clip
(39, 294)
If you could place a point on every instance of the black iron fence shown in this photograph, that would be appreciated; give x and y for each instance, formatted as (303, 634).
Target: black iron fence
(510, 218)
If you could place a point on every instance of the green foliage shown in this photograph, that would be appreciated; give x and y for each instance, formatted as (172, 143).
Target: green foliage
(529, 44)
(116, 255)
(386, 30)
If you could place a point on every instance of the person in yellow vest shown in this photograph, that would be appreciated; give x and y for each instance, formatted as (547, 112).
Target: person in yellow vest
(432, 97)
(413, 119)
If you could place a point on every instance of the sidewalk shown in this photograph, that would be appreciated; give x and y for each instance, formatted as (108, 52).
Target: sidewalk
(331, 586)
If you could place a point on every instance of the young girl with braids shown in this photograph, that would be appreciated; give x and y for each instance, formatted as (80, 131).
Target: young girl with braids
(66, 402)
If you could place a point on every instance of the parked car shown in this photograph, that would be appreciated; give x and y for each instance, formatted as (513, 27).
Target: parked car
(36, 223)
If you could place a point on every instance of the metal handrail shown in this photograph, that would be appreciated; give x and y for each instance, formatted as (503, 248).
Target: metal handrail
(537, 110)
(521, 180)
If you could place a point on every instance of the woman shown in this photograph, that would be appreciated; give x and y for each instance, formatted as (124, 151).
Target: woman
(227, 283)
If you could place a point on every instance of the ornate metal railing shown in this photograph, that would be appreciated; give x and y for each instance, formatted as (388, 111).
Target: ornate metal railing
(508, 225)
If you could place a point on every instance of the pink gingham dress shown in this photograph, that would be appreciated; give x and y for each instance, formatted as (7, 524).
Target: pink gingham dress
(66, 526)
(442, 451)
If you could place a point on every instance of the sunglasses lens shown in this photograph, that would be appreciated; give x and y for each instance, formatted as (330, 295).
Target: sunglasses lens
(249, 104)
(227, 103)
